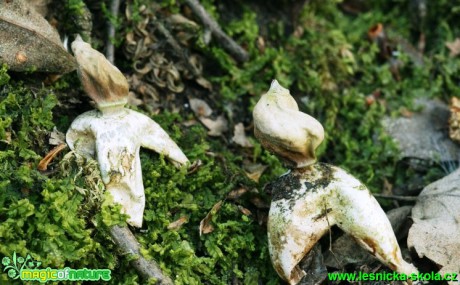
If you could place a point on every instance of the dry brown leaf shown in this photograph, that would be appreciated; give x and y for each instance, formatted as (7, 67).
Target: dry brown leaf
(239, 137)
(205, 225)
(200, 108)
(435, 233)
(216, 127)
(260, 44)
(203, 82)
(454, 120)
(245, 211)
(178, 224)
(189, 123)
(179, 19)
(454, 47)
(56, 137)
(254, 170)
(29, 42)
(237, 193)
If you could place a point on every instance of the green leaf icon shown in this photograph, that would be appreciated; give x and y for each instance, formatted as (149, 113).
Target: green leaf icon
(12, 273)
(6, 261)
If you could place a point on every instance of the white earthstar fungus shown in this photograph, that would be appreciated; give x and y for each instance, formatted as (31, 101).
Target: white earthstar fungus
(313, 197)
(113, 134)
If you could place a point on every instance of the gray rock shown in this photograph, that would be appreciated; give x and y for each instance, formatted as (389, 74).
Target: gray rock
(425, 135)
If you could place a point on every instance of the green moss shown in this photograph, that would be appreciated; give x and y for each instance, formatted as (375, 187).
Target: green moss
(53, 217)
(172, 194)
(41, 216)
(326, 62)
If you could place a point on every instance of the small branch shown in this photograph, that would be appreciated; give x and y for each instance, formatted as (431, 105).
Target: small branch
(227, 43)
(148, 269)
(110, 49)
(398, 198)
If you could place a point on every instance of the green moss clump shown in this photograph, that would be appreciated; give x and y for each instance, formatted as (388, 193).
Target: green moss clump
(53, 217)
(217, 257)
(40, 215)
(330, 67)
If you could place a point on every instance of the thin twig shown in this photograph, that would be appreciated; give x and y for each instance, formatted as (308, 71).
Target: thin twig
(398, 198)
(110, 49)
(148, 269)
(227, 43)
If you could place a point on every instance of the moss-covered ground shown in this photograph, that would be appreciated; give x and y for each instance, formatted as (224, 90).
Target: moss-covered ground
(322, 54)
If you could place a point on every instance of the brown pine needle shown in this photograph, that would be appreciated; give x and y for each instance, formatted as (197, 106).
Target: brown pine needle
(43, 164)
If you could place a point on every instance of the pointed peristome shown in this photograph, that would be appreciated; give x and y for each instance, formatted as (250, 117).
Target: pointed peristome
(285, 131)
(102, 81)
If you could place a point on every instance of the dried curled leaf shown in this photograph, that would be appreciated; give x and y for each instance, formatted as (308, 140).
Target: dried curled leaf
(239, 137)
(436, 229)
(216, 127)
(28, 42)
(179, 20)
(200, 108)
(244, 210)
(178, 224)
(454, 120)
(237, 193)
(161, 68)
(56, 137)
(254, 170)
(205, 225)
(203, 82)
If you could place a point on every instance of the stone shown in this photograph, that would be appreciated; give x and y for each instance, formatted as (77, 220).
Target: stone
(425, 134)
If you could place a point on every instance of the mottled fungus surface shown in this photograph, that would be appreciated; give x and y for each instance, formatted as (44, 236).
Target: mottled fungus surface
(313, 197)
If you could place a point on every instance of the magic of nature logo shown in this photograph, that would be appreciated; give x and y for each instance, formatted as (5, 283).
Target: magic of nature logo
(27, 269)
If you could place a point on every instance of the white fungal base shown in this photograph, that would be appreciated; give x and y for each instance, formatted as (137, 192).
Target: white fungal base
(114, 138)
(307, 204)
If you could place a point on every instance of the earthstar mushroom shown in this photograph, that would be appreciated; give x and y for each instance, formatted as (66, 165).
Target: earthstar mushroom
(274, 115)
(312, 197)
(114, 134)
